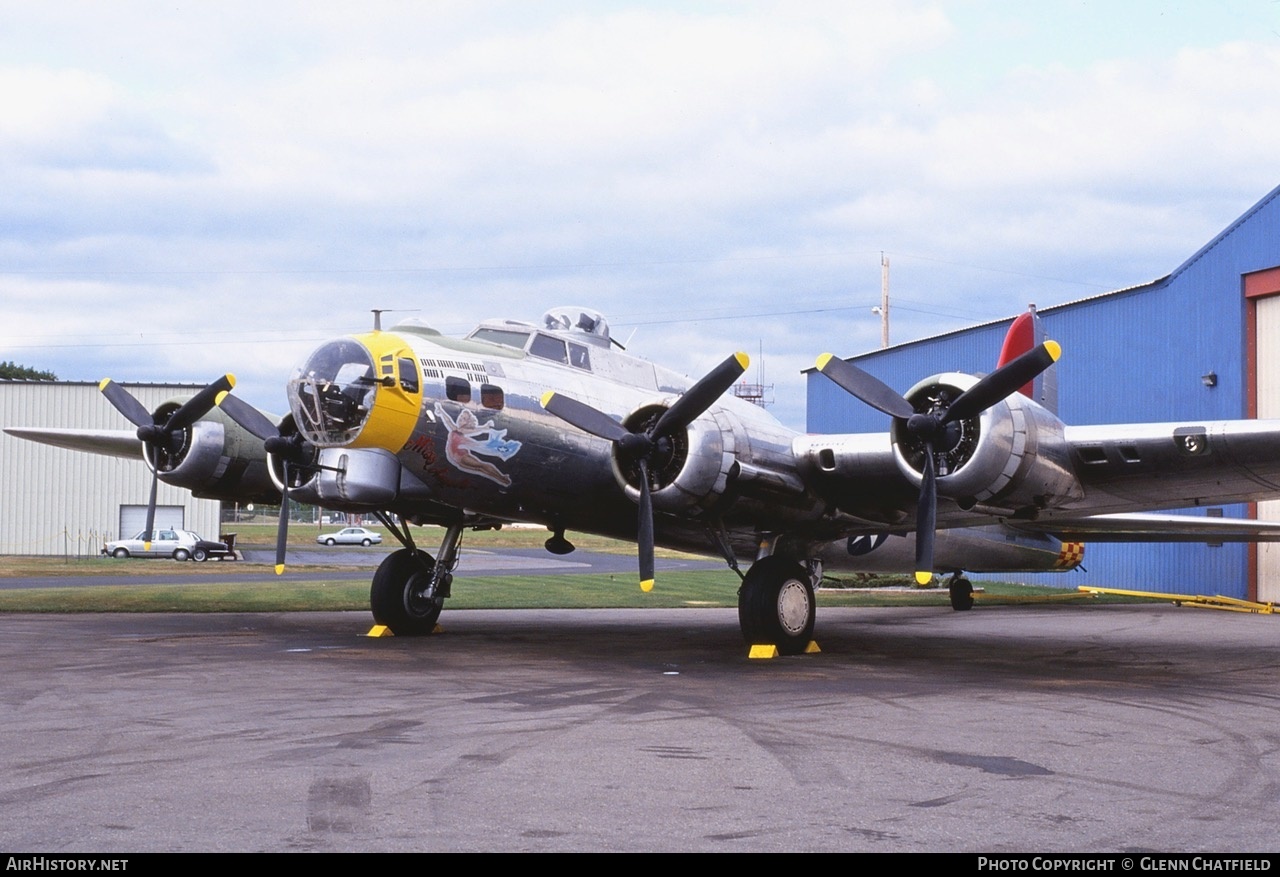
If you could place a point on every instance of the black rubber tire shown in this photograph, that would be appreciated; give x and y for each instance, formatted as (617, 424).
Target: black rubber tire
(120, 553)
(391, 595)
(181, 554)
(199, 555)
(961, 593)
(330, 542)
(366, 543)
(776, 605)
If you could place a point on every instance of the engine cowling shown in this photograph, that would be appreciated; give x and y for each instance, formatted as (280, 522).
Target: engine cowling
(690, 468)
(216, 458)
(1013, 456)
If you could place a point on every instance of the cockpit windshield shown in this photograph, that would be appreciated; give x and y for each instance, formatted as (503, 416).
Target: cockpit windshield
(332, 394)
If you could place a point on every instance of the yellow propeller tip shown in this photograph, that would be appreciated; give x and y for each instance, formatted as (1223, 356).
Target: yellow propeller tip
(146, 546)
(743, 359)
(646, 585)
(102, 384)
(231, 379)
(1054, 349)
(279, 569)
(923, 578)
(823, 360)
(217, 400)
(546, 398)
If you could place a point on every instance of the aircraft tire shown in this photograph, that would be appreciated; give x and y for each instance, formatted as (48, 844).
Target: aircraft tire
(961, 593)
(391, 595)
(776, 605)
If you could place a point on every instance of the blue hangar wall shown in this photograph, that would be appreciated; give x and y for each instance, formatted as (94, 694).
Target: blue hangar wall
(1130, 356)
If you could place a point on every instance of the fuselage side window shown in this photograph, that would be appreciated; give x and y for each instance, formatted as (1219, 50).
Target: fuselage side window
(491, 396)
(579, 356)
(457, 389)
(546, 347)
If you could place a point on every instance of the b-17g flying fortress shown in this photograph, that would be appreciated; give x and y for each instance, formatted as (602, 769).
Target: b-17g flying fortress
(552, 423)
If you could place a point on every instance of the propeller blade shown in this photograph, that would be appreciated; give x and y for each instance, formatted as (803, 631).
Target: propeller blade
(644, 530)
(282, 529)
(247, 416)
(1003, 382)
(151, 509)
(584, 417)
(861, 385)
(702, 395)
(200, 404)
(125, 403)
(926, 519)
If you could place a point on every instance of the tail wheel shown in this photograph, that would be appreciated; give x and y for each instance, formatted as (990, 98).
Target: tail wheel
(776, 605)
(961, 593)
(396, 596)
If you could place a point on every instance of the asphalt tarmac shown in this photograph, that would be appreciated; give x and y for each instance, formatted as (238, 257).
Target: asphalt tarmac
(1024, 728)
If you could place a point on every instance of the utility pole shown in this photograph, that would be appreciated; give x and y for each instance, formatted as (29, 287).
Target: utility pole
(883, 310)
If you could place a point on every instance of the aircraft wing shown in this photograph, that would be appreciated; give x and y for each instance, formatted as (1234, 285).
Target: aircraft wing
(1143, 467)
(107, 442)
(1155, 528)
(1074, 481)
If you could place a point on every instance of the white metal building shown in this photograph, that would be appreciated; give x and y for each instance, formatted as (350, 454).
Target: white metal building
(61, 502)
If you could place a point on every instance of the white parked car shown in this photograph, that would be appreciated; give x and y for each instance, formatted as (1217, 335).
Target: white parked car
(178, 544)
(350, 536)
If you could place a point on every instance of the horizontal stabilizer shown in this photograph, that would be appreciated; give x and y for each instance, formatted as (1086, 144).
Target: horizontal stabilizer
(108, 442)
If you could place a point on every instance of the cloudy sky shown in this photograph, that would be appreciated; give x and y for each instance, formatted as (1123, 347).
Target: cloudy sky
(199, 187)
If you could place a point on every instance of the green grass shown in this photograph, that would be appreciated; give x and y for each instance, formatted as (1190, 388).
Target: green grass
(674, 589)
(204, 588)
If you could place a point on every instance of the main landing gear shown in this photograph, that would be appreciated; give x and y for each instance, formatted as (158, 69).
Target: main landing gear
(776, 605)
(410, 587)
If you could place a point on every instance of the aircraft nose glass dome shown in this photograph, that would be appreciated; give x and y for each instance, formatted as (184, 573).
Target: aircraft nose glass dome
(332, 394)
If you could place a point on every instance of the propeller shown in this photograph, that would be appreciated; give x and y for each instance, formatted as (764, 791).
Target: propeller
(290, 449)
(652, 444)
(936, 428)
(164, 437)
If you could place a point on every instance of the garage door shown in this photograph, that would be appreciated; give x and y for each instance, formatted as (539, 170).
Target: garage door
(133, 518)
(1268, 377)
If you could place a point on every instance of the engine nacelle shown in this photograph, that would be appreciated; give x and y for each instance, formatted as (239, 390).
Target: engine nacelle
(217, 459)
(1013, 456)
(689, 469)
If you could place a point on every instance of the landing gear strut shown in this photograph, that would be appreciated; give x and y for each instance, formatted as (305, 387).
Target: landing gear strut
(776, 605)
(410, 587)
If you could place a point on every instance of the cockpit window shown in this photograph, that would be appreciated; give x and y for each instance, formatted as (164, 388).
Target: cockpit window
(579, 356)
(332, 394)
(505, 337)
(546, 347)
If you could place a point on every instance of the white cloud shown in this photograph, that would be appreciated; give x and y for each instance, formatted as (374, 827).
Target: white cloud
(282, 168)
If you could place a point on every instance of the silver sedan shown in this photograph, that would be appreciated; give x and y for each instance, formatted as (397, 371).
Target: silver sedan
(350, 536)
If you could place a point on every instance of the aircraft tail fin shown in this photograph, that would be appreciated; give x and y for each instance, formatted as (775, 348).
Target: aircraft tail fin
(1025, 333)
